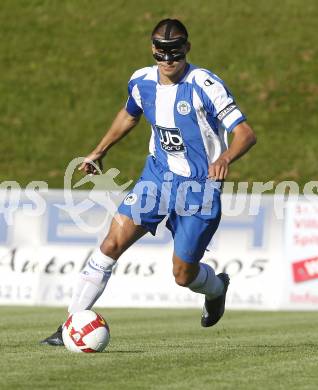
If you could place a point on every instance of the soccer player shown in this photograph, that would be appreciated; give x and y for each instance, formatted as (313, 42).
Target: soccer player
(190, 111)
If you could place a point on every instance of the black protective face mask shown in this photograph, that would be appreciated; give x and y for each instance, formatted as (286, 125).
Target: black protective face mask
(169, 56)
(167, 45)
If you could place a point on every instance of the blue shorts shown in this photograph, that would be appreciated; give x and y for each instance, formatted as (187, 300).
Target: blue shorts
(193, 208)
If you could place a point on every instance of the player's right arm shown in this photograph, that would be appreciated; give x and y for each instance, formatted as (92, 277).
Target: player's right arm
(125, 120)
(121, 126)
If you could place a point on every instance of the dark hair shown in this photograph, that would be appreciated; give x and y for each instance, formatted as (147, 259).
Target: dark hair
(172, 26)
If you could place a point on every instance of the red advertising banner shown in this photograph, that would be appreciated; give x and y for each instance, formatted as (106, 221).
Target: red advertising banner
(305, 270)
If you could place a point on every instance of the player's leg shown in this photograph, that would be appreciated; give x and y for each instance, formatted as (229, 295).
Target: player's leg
(95, 275)
(139, 214)
(93, 279)
(136, 220)
(192, 234)
(199, 277)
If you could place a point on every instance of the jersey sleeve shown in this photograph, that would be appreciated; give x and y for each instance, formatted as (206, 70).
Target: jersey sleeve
(219, 102)
(133, 104)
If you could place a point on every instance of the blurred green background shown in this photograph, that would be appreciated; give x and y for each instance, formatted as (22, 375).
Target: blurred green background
(65, 66)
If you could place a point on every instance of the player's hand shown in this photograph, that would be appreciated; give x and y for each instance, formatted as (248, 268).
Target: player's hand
(219, 169)
(88, 167)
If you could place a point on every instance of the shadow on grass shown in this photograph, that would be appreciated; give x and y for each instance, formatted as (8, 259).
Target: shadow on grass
(295, 346)
(120, 351)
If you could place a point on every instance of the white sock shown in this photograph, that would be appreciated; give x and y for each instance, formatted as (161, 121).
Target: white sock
(91, 281)
(207, 282)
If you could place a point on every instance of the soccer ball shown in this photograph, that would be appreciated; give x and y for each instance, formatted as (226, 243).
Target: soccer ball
(85, 331)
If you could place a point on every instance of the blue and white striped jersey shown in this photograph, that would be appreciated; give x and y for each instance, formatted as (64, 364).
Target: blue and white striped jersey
(189, 120)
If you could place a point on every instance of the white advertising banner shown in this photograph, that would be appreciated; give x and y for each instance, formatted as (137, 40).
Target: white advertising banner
(42, 253)
(301, 255)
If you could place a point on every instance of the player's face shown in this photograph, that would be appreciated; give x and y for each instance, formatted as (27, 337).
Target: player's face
(172, 69)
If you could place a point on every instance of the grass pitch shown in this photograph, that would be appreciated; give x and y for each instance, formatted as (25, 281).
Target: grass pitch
(65, 67)
(164, 349)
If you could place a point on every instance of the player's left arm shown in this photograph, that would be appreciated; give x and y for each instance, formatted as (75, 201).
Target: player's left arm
(243, 139)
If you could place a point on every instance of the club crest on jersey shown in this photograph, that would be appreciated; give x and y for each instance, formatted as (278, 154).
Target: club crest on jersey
(183, 107)
(130, 199)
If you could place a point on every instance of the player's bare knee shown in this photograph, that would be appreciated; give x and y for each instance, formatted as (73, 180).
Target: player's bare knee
(111, 247)
(184, 273)
(182, 278)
